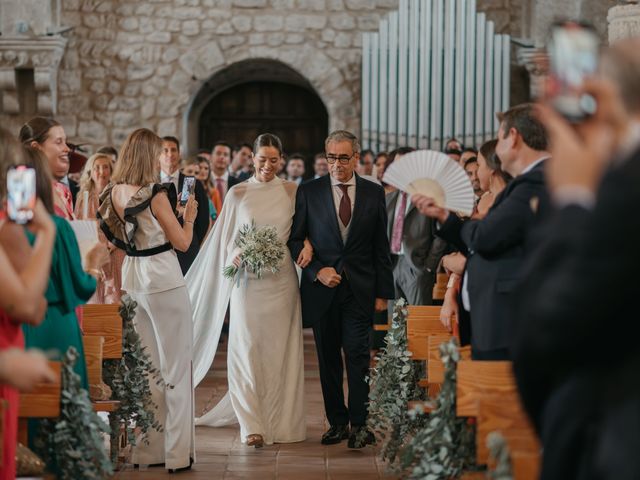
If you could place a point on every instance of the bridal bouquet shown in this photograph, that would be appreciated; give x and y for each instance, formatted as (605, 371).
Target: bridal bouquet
(261, 251)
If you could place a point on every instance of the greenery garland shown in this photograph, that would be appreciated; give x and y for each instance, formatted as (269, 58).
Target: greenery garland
(393, 383)
(72, 445)
(445, 445)
(128, 378)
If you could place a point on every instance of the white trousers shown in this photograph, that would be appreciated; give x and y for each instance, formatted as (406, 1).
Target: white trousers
(163, 321)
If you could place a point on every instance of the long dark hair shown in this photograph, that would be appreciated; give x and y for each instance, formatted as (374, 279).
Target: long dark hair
(37, 130)
(44, 180)
(488, 151)
(267, 140)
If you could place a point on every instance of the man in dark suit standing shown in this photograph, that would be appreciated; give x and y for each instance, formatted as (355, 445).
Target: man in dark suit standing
(415, 249)
(170, 173)
(220, 161)
(496, 246)
(344, 217)
(576, 354)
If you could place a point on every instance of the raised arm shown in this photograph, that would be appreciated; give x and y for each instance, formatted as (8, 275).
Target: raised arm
(179, 236)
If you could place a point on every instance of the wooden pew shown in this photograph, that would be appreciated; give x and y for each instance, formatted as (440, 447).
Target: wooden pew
(487, 391)
(102, 327)
(104, 321)
(43, 402)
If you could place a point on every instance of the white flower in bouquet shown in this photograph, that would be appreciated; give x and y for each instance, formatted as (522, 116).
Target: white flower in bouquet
(261, 250)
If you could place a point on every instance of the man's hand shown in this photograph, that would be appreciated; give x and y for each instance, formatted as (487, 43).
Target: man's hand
(329, 277)
(454, 263)
(427, 206)
(381, 304)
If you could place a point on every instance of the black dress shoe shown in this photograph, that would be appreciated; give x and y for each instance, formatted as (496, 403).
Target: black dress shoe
(335, 434)
(360, 437)
(181, 469)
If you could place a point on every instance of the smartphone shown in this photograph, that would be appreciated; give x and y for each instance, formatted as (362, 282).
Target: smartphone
(188, 187)
(573, 53)
(21, 194)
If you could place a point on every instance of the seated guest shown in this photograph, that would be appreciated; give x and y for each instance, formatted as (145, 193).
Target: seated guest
(576, 355)
(170, 173)
(295, 168)
(496, 246)
(47, 135)
(95, 177)
(24, 273)
(320, 165)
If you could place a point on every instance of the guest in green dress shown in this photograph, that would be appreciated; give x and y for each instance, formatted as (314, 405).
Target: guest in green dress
(69, 285)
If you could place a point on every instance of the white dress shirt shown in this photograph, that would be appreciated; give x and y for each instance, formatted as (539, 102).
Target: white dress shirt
(337, 197)
(173, 178)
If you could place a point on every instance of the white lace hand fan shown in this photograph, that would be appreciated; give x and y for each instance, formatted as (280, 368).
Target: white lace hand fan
(433, 174)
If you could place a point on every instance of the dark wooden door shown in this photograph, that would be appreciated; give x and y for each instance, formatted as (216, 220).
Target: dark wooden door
(241, 113)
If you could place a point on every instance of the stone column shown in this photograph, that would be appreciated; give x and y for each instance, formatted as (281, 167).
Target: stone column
(624, 22)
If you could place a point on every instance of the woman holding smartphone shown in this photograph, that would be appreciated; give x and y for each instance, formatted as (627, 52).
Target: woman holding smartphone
(136, 214)
(24, 273)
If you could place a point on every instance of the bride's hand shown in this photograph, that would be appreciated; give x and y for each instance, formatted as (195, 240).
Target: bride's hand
(236, 255)
(304, 259)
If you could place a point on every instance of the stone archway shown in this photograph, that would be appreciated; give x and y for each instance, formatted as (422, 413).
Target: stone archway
(301, 65)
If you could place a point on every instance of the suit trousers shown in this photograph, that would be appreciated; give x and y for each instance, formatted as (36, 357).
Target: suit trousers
(414, 286)
(344, 328)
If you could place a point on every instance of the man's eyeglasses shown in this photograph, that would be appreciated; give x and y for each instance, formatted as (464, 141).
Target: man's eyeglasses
(343, 159)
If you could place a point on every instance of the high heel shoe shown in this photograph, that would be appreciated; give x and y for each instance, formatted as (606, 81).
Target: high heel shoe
(255, 440)
(181, 469)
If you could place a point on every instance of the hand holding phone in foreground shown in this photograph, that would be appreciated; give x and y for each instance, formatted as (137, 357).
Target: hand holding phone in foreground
(191, 209)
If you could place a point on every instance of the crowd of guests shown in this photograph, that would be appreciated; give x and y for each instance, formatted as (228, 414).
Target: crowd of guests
(531, 277)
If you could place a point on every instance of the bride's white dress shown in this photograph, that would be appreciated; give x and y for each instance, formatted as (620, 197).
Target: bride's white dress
(265, 350)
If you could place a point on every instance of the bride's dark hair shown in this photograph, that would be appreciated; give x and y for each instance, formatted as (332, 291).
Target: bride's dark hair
(267, 140)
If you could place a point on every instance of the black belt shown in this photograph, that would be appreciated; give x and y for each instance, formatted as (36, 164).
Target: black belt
(149, 251)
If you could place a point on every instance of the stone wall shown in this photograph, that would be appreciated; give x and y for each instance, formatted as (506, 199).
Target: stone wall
(141, 63)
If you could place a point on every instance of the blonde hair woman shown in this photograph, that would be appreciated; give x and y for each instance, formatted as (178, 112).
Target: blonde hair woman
(137, 216)
(94, 178)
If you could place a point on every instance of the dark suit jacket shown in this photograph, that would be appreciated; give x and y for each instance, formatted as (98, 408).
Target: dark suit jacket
(364, 259)
(232, 181)
(200, 226)
(495, 247)
(422, 248)
(576, 354)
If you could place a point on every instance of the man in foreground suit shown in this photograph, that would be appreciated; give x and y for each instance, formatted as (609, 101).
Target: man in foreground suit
(415, 249)
(496, 245)
(576, 354)
(344, 217)
(170, 173)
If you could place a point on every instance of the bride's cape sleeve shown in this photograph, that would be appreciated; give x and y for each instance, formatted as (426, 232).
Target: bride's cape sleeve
(208, 290)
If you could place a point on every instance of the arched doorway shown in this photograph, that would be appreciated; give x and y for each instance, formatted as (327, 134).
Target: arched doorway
(257, 96)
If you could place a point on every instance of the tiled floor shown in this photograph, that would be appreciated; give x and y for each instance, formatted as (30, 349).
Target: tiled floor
(222, 456)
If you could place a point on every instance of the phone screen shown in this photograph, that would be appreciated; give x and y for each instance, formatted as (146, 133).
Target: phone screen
(188, 188)
(21, 194)
(573, 52)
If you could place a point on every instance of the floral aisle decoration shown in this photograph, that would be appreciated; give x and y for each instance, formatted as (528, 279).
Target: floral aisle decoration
(393, 383)
(128, 378)
(72, 444)
(261, 251)
(499, 452)
(445, 445)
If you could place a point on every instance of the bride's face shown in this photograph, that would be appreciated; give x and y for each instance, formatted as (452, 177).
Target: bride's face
(265, 163)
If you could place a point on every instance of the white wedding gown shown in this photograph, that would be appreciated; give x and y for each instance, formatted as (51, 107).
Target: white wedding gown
(265, 351)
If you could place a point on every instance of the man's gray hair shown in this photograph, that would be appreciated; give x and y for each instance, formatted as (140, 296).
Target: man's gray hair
(343, 136)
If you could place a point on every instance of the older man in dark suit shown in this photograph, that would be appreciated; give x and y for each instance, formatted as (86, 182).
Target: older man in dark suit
(344, 217)
(496, 245)
(415, 249)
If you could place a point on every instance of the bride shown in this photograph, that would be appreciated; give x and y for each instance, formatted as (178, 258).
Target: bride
(265, 350)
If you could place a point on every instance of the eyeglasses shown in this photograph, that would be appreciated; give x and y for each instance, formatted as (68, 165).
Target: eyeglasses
(331, 159)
